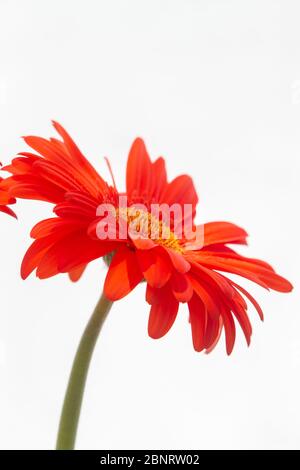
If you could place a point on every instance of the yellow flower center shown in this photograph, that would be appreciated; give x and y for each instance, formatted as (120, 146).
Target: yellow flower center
(147, 225)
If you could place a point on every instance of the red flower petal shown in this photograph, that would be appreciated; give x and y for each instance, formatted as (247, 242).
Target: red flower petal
(229, 328)
(8, 210)
(252, 300)
(181, 191)
(77, 155)
(159, 179)
(143, 243)
(198, 321)
(34, 254)
(179, 262)
(123, 274)
(138, 173)
(155, 265)
(213, 332)
(76, 273)
(223, 232)
(55, 225)
(22, 164)
(181, 287)
(203, 292)
(163, 313)
(242, 317)
(250, 269)
(33, 187)
(71, 252)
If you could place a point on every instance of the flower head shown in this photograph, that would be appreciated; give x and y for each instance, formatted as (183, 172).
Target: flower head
(180, 262)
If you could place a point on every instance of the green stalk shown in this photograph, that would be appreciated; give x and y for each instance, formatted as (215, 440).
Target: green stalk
(73, 398)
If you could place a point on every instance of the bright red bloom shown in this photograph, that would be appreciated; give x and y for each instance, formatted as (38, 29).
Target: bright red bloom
(175, 270)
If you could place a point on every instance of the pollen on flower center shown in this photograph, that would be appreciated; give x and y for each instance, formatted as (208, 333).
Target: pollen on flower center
(147, 225)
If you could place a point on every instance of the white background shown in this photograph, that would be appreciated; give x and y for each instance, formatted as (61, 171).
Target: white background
(214, 87)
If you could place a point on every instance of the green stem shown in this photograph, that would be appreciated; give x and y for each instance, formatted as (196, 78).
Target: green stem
(75, 389)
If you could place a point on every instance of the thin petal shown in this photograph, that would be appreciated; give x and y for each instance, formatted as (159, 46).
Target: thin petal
(229, 328)
(213, 332)
(205, 294)
(252, 300)
(250, 269)
(88, 170)
(159, 179)
(198, 322)
(8, 210)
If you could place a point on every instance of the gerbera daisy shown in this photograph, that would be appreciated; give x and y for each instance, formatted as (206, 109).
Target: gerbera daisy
(176, 269)
(173, 270)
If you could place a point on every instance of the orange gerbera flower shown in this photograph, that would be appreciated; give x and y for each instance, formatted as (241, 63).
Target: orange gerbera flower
(176, 270)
